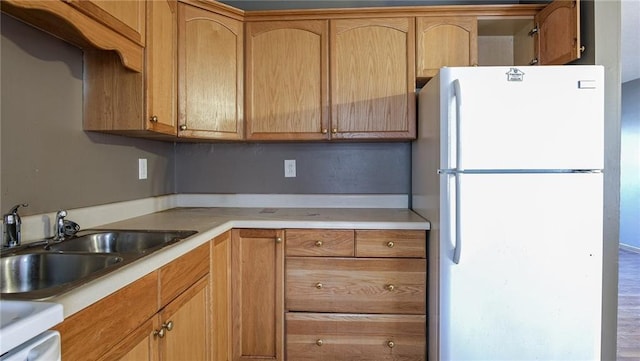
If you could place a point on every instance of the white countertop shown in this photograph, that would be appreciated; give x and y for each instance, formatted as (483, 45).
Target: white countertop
(212, 221)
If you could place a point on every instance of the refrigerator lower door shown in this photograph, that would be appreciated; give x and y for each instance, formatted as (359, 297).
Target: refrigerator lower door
(528, 282)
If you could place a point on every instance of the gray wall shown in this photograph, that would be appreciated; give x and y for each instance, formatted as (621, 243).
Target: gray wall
(47, 160)
(630, 165)
(321, 168)
(50, 162)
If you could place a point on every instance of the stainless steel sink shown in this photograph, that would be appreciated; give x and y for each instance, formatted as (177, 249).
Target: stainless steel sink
(45, 269)
(32, 272)
(119, 241)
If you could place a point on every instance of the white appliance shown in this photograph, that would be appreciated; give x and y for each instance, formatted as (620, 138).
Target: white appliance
(508, 168)
(24, 331)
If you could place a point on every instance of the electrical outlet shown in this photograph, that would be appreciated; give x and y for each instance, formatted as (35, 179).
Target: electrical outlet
(289, 168)
(142, 168)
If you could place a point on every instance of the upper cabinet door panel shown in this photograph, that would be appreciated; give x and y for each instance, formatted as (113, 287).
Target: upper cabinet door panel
(125, 17)
(161, 66)
(287, 77)
(209, 74)
(373, 78)
(445, 41)
(558, 33)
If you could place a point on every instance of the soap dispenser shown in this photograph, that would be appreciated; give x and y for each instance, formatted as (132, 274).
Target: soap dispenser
(11, 224)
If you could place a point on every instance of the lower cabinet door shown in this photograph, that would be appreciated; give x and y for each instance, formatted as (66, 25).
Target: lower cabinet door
(355, 337)
(185, 321)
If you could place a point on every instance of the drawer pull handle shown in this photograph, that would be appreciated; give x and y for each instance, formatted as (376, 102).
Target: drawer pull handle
(391, 344)
(390, 244)
(278, 239)
(319, 285)
(318, 243)
(389, 287)
(319, 342)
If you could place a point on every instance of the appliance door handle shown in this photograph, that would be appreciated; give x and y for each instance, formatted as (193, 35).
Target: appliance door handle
(457, 95)
(457, 247)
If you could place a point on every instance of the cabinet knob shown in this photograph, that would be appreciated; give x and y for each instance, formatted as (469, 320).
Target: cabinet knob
(390, 244)
(318, 243)
(319, 342)
(183, 127)
(391, 344)
(278, 239)
(334, 130)
(319, 285)
(324, 131)
(168, 325)
(154, 119)
(389, 287)
(159, 333)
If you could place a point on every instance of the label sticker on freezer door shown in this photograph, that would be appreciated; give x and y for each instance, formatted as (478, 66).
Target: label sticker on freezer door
(515, 74)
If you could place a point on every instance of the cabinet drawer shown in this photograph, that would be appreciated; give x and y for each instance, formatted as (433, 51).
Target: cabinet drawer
(314, 336)
(319, 242)
(394, 243)
(355, 285)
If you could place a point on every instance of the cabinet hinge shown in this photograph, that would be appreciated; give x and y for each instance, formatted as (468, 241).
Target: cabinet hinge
(534, 31)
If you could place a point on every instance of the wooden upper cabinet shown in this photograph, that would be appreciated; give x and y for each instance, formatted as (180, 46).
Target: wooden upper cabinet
(287, 80)
(373, 78)
(210, 75)
(126, 17)
(161, 72)
(445, 41)
(558, 33)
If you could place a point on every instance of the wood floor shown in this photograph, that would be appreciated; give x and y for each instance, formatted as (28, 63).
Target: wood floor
(629, 306)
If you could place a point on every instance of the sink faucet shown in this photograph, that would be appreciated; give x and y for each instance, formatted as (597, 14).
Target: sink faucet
(63, 228)
(58, 234)
(11, 224)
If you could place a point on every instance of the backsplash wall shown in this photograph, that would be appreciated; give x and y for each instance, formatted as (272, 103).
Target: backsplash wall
(48, 161)
(321, 168)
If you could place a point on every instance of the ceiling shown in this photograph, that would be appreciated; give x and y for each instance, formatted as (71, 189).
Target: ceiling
(630, 33)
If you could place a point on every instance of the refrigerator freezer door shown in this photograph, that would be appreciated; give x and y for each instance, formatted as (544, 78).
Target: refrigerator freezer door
(540, 119)
(528, 282)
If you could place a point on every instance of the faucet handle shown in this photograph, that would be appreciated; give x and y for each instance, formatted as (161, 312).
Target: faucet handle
(14, 209)
(61, 214)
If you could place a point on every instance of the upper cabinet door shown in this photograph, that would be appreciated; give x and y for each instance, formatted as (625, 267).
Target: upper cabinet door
(445, 41)
(373, 78)
(161, 66)
(558, 36)
(287, 80)
(210, 75)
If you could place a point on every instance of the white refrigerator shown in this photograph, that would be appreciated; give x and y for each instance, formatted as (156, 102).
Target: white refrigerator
(508, 167)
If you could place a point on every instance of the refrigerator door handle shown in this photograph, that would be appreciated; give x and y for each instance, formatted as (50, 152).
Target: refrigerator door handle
(457, 247)
(457, 95)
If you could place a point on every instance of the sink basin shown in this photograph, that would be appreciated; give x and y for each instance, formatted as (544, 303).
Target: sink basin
(118, 241)
(33, 272)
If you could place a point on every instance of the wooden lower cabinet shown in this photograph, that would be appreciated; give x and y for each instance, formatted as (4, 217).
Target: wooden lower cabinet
(355, 337)
(367, 304)
(165, 315)
(180, 331)
(257, 263)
